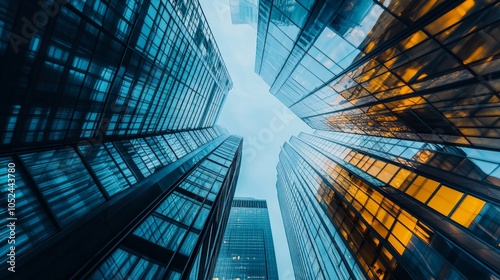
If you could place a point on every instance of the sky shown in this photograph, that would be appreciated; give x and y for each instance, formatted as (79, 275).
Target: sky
(255, 114)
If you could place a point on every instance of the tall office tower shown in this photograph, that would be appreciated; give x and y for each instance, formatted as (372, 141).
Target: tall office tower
(368, 207)
(76, 71)
(244, 12)
(144, 208)
(247, 251)
(417, 70)
(401, 178)
(107, 125)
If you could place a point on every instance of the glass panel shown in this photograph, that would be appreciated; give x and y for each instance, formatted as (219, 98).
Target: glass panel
(127, 148)
(450, 18)
(202, 217)
(401, 179)
(423, 231)
(189, 243)
(173, 275)
(422, 188)
(385, 218)
(179, 208)
(411, 11)
(402, 233)
(105, 168)
(64, 182)
(406, 219)
(376, 167)
(161, 232)
(445, 200)
(124, 265)
(386, 174)
(121, 163)
(396, 244)
(477, 45)
(34, 225)
(468, 210)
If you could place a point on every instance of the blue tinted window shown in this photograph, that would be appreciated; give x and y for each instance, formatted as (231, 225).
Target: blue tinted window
(125, 265)
(34, 225)
(180, 208)
(64, 183)
(161, 232)
(105, 168)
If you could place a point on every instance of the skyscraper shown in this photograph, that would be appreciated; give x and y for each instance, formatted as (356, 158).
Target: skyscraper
(247, 250)
(107, 132)
(401, 179)
(359, 207)
(106, 70)
(424, 71)
(144, 207)
(244, 12)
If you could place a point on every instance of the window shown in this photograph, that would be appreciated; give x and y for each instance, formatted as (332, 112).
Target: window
(401, 179)
(468, 210)
(35, 225)
(124, 265)
(64, 183)
(161, 232)
(445, 200)
(422, 188)
(386, 174)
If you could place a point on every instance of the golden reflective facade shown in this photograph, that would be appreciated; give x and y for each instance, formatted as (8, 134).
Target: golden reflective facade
(400, 215)
(419, 70)
(401, 180)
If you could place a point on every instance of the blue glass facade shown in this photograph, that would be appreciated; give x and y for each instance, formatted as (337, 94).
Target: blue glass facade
(247, 250)
(84, 181)
(65, 193)
(180, 236)
(424, 71)
(106, 70)
(108, 114)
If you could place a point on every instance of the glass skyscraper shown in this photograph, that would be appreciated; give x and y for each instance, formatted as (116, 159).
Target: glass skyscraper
(417, 70)
(244, 12)
(78, 70)
(368, 207)
(107, 122)
(247, 250)
(140, 208)
(401, 178)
